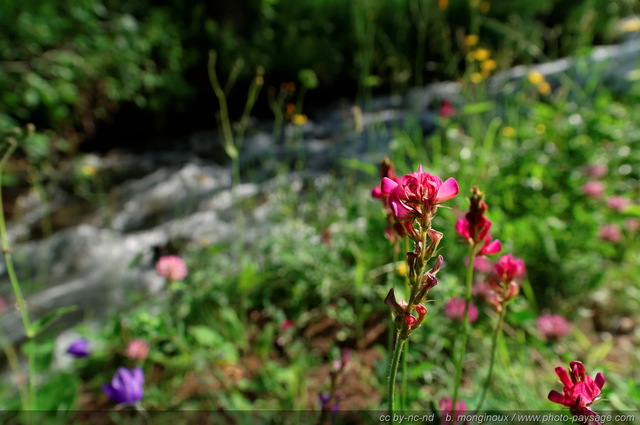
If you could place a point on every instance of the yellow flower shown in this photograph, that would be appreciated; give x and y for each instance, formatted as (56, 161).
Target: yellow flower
(481, 54)
(535, 78)
(89, 170)
(471, 40)
(476, 78)
(299, 119)
(540, 128)
(508, 131)
(443, 4)
(488, 65)
(630, 25)
(485, 6)
(544, 88)
(402, 269)
(474, 3)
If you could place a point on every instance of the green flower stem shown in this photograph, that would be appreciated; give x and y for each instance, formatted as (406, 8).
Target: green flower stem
(14, 364)
(465, 327)
(15, 285)
(405, 379)
(494, 344)
(393, 370)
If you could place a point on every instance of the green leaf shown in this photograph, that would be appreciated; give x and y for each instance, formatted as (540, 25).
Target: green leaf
(45, 321)
(205, 336)
(308, 78)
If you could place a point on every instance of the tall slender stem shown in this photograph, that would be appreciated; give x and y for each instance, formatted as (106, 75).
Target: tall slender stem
(393, 370)
(15, 285)
(494, 344)
(465, 326)
(405, 375)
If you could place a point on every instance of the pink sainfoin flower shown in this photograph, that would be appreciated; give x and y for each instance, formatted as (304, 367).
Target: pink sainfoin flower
(618, 203)
(595, 171)
(446, 109)
(509, 268)
(394, 228)
(482, 264)
(504, 280)
(610, 233)
(474, 226)
(416, 198)
(171, 267)
(138, 349)
(552, 327)
(448, 414)
(454, 310)
(579, 391)
(593, 189)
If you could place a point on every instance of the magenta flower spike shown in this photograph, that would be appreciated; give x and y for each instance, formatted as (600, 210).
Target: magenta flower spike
(509, 268)
(474, 227)
(126, 387)
(579, 391)
(171, 267)
(417, 193)
(79, 348)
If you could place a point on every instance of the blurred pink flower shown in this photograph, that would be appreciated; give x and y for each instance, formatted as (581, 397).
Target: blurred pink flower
(137, 349)
(454, 310)
(445, 406)
(610, 233)
(3, 305)
(552, 327)
(579, 391)
(482, 264)
(481, 289)
(287, 324)
(632, 224)
(171, 267)
(593, 189)
(618, 203)
(446, 109)
(596, 171)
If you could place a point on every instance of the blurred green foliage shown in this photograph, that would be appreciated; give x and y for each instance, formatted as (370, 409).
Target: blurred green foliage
(67, 65)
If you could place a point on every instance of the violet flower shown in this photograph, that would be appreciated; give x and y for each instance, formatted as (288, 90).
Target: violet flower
(126, 387)
(79, 348)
